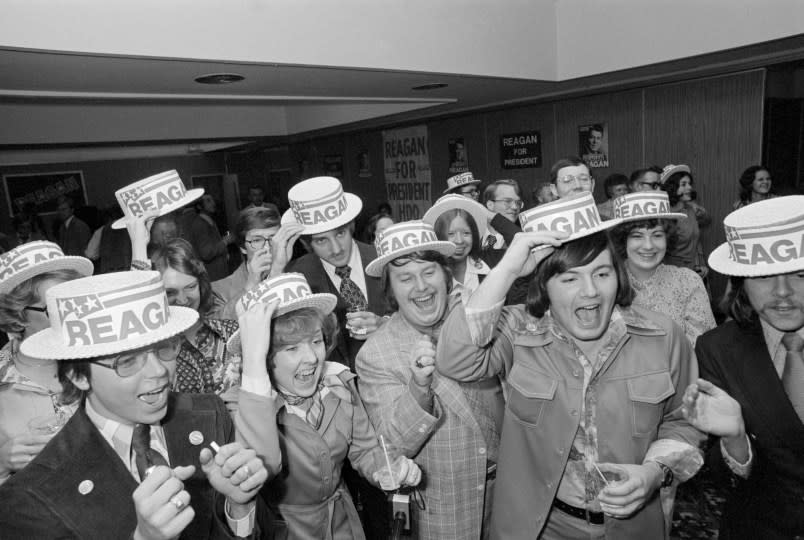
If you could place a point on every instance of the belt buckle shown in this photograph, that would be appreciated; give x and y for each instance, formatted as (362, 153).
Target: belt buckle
(491, 470)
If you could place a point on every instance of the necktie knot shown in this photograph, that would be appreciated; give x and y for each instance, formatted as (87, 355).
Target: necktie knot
(490, 241)
(343, 272)
(793, 342)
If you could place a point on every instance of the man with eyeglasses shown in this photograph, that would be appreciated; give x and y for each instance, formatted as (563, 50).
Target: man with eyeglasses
(645, 179)
(570, 176)
(136, 460)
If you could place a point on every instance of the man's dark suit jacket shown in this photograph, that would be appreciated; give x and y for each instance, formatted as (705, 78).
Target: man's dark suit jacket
(43, 500)
(310, 265)
(518, 293)
(74, 239)
(769, 505)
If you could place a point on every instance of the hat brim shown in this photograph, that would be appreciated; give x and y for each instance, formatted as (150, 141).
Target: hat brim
(375, 267)
(324, 303)
(668, 215)
(678, 168)
(720, 262)
(353, 207)
(474, 208)
(48, 344)
(189, 196)
(69, 262)
(452, 189)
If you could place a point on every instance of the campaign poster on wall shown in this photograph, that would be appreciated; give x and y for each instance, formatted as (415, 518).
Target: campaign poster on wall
(43, 190)
(458, 161)
(406, 162)
(363, 164)
(593, 144)
(333, 166)
(521, 150)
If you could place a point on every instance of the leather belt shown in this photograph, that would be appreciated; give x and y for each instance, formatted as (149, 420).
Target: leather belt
(595, 518)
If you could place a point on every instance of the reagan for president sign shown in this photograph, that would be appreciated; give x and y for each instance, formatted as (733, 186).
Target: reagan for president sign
(521, 150)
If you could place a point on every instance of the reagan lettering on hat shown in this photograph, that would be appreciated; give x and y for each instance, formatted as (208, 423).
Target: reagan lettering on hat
(114, 316)
(405, 239)
(765, 247)
(321, 213)
(624, 208)
(285, 288)
(153, 196)
(25, 256)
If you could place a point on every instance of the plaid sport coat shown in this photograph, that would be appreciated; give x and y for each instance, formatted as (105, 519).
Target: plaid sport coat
(448, 445)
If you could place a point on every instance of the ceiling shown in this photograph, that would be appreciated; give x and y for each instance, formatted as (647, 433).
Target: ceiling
(105, 101)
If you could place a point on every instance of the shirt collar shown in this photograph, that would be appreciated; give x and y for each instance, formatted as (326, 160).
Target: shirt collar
(68, 221)
(773, 336)
(116, 434)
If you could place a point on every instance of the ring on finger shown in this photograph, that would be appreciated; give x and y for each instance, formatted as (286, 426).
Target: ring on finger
(419, 363)
(246, 470)
(177, 502)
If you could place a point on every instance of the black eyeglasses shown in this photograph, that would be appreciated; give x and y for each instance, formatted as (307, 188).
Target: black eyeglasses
(131, 362)
(38, 309)
(258, 242)
(513, 203)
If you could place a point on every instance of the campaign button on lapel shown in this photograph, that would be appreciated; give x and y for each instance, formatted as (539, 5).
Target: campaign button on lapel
(196, 438)
(86, 487)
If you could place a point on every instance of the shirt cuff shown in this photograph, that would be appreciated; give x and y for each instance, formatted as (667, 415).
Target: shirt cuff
(481, 322)
(683, 458)
(260, 386)
(740, 469)
(244, 526)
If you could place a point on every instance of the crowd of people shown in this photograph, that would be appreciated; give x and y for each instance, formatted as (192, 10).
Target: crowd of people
(488, 371)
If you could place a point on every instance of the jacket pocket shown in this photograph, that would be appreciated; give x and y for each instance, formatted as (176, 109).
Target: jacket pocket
(531, 390)
(647, 393)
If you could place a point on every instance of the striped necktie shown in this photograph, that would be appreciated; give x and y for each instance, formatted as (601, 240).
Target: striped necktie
(489, 243)
(793, 374)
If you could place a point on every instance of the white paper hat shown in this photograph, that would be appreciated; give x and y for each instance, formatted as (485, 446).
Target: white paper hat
(403, 238)
(105, 315)
(644, 205)
(451, 202)
(28, 260)
(462, 179)
(163, 192)
(762, 239)
(672, 169)
(320, 205)
(293, 293)
(577, 216)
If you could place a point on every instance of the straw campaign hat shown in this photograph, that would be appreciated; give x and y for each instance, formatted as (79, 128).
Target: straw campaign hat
(644, 205)
(762, 239)
(577, 216)
(28, 260)
(105, 315)
(672, 169)
(163, 192)
(403, 238)
(460, 180)
(293, 293)
(452, 202)
(320, 205)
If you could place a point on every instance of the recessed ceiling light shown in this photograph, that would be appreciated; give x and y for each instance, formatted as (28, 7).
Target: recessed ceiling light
(430, 86)
(219, 78)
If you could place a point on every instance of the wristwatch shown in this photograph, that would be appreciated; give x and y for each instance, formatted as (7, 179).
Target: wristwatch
(667, 474)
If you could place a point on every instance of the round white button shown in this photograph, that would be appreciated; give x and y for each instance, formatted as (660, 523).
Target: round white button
(86, 487)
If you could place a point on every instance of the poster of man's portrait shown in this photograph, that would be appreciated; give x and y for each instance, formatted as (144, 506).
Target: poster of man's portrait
(593, 144)
(458, 161)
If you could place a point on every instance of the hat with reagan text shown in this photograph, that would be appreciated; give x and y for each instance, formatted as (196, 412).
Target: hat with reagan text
(403, 238)
(460, 180)
(644, 205)
(446, 203)
(28, 260)
(320, 205)
(577, 216)
(672, 169)
(762, 239)
(163, 193)
(293, 293)
(107, 314)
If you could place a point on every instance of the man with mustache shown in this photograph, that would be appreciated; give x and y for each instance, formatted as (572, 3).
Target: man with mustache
(751, 390)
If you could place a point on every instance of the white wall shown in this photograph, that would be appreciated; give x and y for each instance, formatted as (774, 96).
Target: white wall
(508, 38)
(597, 36)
